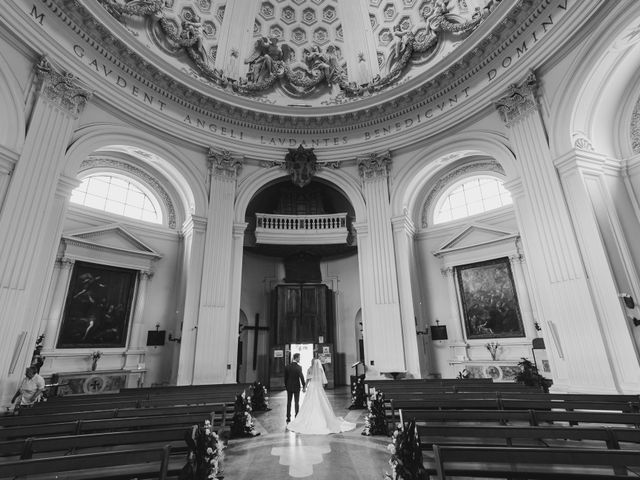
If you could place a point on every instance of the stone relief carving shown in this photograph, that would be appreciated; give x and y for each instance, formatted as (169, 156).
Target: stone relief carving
(301, 163)
(582, 142)
(98, 162)
(446, 180)
(520, 100)
(62, 88)
(272, 61)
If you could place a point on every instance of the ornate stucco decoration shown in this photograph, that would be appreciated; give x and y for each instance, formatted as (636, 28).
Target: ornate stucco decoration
(520, 100)
(301, 163)
(447, 179)
(223, 164)
(62, 88)
(582, 142)
(635, 128)
(144, 177)
(273, 60)
(374, 165)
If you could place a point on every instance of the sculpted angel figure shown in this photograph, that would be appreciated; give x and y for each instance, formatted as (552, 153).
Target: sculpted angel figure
(266, 53)
(326, 62)
(192, 33)
(402, 37)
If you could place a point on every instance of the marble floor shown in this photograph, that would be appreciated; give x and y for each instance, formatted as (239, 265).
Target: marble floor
(279, 454)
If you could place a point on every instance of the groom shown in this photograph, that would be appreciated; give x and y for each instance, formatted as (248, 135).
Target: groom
(293, 380)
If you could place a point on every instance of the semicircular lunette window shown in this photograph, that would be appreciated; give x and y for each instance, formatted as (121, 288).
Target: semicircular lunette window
(471, 196)
(120, 195)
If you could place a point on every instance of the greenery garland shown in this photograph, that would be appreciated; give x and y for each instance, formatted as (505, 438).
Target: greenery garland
(259, 397)
(204, 460)
(242, 422)
(358, 395)
(375, 422)
(406, 455)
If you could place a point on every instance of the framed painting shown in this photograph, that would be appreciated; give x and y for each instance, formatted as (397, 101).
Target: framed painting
(489, 300)
(98, 306)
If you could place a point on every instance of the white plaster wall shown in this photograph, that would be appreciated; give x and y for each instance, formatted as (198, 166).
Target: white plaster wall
(160, 304)
(437, 302)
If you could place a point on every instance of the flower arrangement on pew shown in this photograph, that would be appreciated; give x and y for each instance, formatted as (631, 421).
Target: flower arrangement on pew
(242, 422)
(259, 399)
(358, 395)
(375, 422)
(406, 456)
(206, 454)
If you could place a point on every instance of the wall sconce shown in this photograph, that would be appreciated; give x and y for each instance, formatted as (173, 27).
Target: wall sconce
(174, 339)
(636, 322)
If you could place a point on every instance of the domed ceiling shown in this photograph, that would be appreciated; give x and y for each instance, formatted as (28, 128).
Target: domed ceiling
(301, 52)
(321, 73)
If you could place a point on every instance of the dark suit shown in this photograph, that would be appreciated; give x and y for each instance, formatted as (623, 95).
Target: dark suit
(293, 380)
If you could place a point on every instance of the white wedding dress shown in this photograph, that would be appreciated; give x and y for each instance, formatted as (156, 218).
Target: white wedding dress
(316, 415)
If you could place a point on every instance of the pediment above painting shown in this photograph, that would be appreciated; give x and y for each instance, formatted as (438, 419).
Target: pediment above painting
(477, 242)
(110, 244)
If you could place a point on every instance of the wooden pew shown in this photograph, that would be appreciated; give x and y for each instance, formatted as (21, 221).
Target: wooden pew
(49, 408)
(531, 463)
(531, 417)
(27, 448)
(534, 436)
(123, 464)
(219, 414)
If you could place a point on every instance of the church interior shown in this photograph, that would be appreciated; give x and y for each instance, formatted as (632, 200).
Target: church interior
(433, 197)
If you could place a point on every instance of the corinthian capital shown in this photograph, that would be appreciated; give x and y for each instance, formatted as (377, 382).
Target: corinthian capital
(374, 165)
(223, 164)
(520, 100)
(62, 88)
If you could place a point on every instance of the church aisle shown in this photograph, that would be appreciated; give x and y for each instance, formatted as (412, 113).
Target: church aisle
(279, 454)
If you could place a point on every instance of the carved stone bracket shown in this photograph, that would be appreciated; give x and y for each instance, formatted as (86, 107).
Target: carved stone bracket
(374, 165)
(223, 164)
(62, 88)
(520, 100)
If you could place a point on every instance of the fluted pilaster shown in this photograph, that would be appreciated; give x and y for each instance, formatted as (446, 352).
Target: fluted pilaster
(212, 361)
(560, 283)
(194, 234)
(383, 330)
(33, 209)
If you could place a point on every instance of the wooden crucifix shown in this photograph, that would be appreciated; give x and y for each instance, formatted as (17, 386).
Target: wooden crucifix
(256, 328)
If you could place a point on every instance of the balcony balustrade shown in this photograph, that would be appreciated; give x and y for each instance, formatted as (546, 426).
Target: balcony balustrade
(301, 229)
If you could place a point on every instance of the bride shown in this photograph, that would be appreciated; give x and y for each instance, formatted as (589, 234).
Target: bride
(316, 415)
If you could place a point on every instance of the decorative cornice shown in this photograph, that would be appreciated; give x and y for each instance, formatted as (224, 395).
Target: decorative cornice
(495, 39)
(374, 165)
(144, 177)
(446, 180)
(520, 100)
(61, 88)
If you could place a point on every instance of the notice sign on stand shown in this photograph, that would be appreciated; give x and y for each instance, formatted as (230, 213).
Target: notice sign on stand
(278, 353)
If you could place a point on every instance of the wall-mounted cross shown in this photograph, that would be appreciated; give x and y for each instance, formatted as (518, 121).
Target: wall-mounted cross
(256, 329)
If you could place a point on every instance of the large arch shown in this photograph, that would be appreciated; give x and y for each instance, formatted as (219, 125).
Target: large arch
(593, 109)
(411, 180)
(186, 181)
(258, 179)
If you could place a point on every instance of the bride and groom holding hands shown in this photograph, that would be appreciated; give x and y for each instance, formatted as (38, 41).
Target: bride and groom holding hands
(315, 416)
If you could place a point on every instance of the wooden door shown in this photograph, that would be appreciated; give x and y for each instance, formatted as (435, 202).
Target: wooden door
(303, 314)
